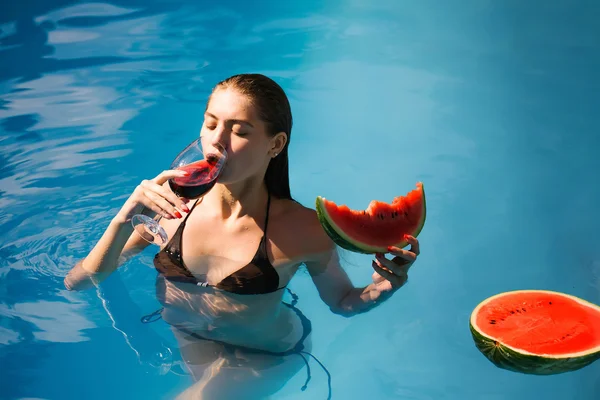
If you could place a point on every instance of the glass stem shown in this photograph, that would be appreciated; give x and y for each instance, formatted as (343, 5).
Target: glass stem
(156, 219)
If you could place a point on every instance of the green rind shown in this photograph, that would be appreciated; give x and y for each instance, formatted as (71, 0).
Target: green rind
(333, 234)
(359, 247)
(510, 359)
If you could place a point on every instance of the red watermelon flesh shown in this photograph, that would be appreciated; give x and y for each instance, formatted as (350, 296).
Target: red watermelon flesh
(377, 227)
(541, 323)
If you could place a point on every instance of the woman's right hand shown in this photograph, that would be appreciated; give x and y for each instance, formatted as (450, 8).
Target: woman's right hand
(152, 197)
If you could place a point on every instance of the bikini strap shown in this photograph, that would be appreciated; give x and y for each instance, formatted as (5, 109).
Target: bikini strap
(263, 240)
(179, 232)
(190, 213)
(267, 214)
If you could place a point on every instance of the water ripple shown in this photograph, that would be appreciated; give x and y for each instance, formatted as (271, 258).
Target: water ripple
(85, 10)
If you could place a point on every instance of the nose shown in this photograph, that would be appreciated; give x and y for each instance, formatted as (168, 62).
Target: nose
(220, 138)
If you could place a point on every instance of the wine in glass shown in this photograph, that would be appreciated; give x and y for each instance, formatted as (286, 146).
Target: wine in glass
(204, 163)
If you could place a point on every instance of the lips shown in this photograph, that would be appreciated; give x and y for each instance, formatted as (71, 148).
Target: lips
(212, 159)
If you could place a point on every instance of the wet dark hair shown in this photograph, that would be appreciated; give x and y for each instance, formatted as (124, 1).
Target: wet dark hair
(273, 109)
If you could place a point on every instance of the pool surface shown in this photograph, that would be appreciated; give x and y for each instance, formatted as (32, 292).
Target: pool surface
(493, 105)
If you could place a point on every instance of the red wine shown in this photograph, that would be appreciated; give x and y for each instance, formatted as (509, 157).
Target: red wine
(202, 177)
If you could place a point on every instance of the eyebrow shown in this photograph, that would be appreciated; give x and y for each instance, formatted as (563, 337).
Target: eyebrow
(238, 121)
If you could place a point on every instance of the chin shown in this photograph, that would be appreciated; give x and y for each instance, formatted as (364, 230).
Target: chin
(231, 176)
(225, 179)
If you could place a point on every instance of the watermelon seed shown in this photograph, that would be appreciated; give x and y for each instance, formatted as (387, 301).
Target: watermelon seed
(550, 302)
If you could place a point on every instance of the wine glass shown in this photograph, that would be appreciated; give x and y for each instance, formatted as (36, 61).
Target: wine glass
(204, 163)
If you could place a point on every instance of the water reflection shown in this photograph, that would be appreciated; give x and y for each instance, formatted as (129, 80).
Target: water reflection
(96, 10)
(55, 322)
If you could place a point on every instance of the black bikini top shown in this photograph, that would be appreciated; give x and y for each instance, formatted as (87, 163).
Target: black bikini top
(258, 277)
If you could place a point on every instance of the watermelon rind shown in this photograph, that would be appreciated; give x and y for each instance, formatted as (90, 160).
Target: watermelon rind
(344, 241)
(339, 240)
(519, 360)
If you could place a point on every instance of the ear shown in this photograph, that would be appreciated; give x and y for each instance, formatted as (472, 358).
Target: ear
(277, 144)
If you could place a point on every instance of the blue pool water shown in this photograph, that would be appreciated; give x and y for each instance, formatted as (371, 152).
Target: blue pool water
(493, 105)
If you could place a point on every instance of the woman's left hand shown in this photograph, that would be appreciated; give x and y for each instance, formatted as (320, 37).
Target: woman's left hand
(392, 274)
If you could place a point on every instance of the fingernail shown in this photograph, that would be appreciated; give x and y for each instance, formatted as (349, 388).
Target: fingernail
(406, 237)
(390, 248)
(185, 208)
(177, 214)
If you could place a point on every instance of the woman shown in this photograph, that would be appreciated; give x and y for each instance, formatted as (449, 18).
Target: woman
(232, 252)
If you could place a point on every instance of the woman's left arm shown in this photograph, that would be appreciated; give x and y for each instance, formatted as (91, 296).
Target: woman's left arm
(338, 292)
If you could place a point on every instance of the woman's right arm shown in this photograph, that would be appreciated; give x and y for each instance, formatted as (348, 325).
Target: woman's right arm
(119, 242)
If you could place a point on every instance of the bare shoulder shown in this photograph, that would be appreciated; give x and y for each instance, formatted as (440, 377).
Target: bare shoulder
(301, 224)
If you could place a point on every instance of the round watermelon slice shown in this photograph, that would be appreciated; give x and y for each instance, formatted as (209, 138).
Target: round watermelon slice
(379, 226)
(537, 331)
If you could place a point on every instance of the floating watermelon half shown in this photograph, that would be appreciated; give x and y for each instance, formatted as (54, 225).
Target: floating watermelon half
(537, 332)
(379, 226)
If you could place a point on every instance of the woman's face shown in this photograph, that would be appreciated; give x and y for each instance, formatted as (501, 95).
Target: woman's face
(231, 120)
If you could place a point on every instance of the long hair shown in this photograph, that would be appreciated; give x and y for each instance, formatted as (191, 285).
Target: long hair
(274, 109)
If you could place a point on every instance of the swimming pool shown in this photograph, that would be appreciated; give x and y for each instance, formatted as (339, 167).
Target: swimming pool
(493, 107)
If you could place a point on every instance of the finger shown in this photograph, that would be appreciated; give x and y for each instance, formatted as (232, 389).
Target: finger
(396, 280)
(391, 265)
(168, 174)
(149, 204)
(408, 255)
(403, 264)
(161, 191)
(384, 272)
(171, 197)
(162, 203)
(414, 244)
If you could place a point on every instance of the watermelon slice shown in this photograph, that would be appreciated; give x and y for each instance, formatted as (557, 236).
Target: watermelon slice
(379, 226)
(537, 332)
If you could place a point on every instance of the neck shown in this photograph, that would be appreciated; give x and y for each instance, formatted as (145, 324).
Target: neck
(236, 200)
